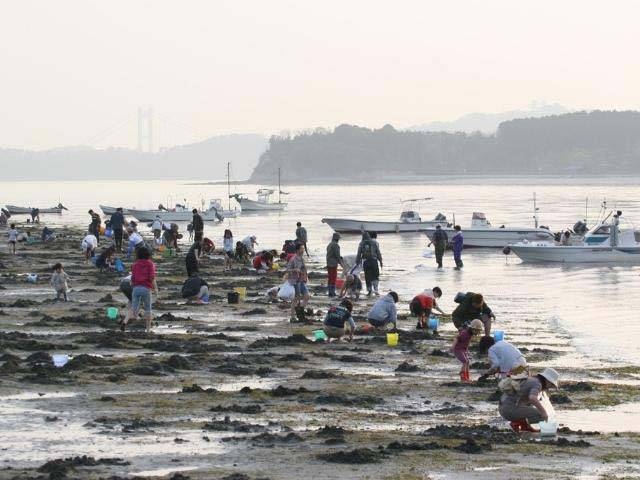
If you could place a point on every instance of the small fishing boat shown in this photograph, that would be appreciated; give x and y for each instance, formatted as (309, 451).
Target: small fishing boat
(481, 234)
(596, 247)
(14, 210)
(410, 221)
(264, 202)
(111, 210)
(180, 213)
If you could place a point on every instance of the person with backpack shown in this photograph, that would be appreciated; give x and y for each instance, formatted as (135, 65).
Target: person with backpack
(333, 260)
(471, 306)
(460, 347)
(369, 254)
(336, 318)
(439, 241)
(520, 402)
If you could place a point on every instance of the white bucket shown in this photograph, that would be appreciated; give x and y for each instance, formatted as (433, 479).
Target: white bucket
(60, 360)
(32, 277)
(548, 429)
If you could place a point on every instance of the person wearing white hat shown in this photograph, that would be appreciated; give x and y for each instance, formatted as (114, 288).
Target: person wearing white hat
(520, 402)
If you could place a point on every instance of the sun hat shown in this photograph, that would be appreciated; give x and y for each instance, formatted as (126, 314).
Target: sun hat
(476, 325)
(551, 376)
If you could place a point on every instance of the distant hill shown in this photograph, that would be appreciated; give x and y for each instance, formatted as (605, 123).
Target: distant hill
(206, 160)
(598, 142)
(489, 122)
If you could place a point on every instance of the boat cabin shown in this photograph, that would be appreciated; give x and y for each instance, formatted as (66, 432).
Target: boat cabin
(410, 216)
(264, 194)
(479, 220)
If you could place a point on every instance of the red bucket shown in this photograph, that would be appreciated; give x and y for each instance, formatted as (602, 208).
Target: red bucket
(339, 283)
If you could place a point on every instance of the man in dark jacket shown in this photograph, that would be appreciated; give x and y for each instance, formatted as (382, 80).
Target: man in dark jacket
(117, 225)
(301, 237)
(439, 241)
(472, 306)
(198, 230)
(369, 254)
(94, 227)
(333, 260)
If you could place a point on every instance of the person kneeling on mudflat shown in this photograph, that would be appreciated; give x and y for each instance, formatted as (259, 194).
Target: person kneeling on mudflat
(472, 306)
(520, 402)
(196, 289)
(421, 306)
(460, 347)
(335, 319)
(384, 311)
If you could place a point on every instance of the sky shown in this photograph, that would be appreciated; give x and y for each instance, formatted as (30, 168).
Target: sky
(75, 71)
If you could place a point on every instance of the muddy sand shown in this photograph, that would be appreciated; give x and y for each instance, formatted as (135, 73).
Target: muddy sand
(238, 392)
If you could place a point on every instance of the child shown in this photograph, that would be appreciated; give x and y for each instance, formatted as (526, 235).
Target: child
(13, 237)
(227, 247)
(59, 282)
(460, 347)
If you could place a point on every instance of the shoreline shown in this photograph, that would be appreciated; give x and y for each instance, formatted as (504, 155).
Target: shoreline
(132, 396)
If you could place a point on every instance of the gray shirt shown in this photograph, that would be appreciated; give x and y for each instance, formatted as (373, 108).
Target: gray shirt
(301, 234)
(531, 386)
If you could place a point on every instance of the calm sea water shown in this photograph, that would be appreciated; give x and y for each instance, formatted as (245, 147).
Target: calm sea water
(594, 305)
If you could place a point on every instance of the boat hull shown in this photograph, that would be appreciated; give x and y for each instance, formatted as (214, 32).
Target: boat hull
(345, 225)
(150, 216)
(13, 210)
(111, 210)
(253, 206)
(498, 237)
(576, 254)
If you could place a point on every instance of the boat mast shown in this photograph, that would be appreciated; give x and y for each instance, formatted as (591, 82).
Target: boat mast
(535, 210)
(229, 184)
(279, 186)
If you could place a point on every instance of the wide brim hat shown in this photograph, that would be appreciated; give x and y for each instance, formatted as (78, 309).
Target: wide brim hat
(551, 376)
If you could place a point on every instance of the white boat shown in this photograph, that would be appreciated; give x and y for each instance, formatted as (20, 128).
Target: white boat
(179, 214)
(14, 210)
(111, 210)
(482, 234)
(409, 221)
(216, 203)
(262, 204)
(595, 248)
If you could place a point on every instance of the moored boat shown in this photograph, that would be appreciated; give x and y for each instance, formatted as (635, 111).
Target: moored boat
(14, 210)
(410, 221)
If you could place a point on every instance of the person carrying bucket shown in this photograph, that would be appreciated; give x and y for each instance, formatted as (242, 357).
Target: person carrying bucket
(505, 358)
(384, 311)
(335, 319)
(421, 306)
(521, 403)
(460, 347)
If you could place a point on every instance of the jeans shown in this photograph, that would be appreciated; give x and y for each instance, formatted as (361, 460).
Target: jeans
(141, 295)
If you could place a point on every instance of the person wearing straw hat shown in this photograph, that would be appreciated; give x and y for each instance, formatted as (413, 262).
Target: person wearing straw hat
(520, 402)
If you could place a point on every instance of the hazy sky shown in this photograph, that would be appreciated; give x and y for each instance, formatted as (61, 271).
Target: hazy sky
(74, 72)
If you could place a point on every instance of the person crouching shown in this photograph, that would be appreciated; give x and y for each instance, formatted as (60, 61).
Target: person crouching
(335, 319)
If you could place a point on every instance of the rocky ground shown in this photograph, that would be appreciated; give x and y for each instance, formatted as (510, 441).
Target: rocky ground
(237, 392)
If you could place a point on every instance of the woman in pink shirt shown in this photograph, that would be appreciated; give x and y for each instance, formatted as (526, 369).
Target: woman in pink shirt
(143, 280)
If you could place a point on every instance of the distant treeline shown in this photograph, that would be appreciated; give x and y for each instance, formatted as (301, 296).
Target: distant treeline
(581, 143)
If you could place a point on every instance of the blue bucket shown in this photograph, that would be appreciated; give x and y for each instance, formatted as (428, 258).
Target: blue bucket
(498, 335)
(433, 323)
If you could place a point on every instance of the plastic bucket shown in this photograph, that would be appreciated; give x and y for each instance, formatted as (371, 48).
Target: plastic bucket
(433, 324)
(59, 360)
(112, 313)
(392, 339)
(548, 429)
(319, 335)
(233, 297)
(340, 283)
(498, 335)
(32, 277)
(242, 293)
(168, 252)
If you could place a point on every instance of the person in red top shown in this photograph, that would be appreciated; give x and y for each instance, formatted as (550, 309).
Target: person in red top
(421, 306)
(460, 347)
(263, 261)
(143, 281)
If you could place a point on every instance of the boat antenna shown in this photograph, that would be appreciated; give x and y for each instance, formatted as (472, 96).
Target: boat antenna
(535, 210)
(586, 211)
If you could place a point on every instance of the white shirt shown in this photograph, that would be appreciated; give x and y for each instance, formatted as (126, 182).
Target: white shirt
(249, 243)
(90, 241)
(504, 356)
(135, 238)
(157, 225)
(13, 235)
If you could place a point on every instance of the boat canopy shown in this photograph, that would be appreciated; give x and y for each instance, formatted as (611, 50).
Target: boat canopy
(479, 220)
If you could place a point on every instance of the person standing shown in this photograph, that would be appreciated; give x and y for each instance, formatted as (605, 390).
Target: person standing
(333, 260)
(297, 270)
(439, 241)
(457, 242)
(228, 248)
(12, 234)
(117, 225)
(143, 281)
(94, 227)
(301, 237)
(156, 226)
(198, 229)
(460, 347)
(369, 254)
(58, 281)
